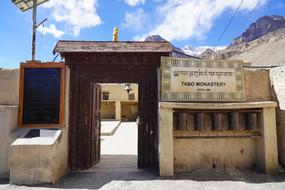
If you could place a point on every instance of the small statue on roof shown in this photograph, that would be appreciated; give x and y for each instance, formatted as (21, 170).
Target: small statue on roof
(115, 34)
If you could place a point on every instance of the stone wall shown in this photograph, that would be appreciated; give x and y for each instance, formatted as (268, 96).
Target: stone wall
(8, 122)
(190, 153)
(257, 85)
(221, 153)
(269, 84)
(9, 85)
(265, 85)
(277, 77)
(9, 80)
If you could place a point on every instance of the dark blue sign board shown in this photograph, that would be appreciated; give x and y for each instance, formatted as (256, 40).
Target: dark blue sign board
(41, 96)
(41, 101)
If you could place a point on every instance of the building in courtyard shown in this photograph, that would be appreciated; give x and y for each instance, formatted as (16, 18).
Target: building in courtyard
(119, 102)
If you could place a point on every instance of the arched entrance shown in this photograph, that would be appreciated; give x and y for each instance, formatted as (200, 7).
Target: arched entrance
(112, 62)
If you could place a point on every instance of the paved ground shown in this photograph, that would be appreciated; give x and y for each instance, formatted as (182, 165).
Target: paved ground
(109, 127)
(143, 180)
(123, 142)
(119, 172)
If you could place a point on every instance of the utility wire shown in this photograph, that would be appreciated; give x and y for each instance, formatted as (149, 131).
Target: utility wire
(230, 21)
(55, 57)
(257, 4)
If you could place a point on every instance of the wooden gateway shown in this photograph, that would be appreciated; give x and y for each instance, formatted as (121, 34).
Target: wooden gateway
(112, 62)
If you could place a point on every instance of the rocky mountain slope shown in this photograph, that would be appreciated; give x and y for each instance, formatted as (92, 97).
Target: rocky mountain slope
(262, 44)
(155, 38)
(261, 27)
(176, 52)
(268, 50)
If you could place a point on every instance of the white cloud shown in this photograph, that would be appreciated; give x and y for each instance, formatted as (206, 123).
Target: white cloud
(136, 20)
(134, 2)
(76, 14)
(183, 19)
(51, 29)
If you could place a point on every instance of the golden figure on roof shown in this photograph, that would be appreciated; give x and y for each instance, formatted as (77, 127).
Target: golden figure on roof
(115, 34)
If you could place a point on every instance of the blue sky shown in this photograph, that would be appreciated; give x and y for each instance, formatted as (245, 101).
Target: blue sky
(193, 22)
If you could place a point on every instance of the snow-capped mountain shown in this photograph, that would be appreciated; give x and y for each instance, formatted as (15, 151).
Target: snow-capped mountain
(197, 51)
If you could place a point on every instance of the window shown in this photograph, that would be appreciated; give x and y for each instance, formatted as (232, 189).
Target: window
(105, 95)
(131, 96)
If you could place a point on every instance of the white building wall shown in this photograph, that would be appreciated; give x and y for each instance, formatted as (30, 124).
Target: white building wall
(9, 85)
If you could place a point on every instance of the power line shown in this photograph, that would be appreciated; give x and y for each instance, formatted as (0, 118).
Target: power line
(55, 57)
(257, 4)
(230, 21)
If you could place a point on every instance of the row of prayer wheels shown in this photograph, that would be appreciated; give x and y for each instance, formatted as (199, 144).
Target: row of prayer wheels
(223, 121)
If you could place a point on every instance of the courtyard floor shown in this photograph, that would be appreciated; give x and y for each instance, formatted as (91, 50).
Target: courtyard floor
(117, 171)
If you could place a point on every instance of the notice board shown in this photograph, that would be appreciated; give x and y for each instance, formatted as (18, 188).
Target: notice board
(41, 100)
(194, 80)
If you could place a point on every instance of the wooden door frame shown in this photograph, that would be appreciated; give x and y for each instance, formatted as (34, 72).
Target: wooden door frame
(96, 106)
(140, 68)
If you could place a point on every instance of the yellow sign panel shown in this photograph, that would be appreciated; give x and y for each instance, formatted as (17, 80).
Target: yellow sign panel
(202, 80)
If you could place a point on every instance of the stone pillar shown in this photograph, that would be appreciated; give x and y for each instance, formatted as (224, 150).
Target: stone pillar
(118, 110)
(166, 142)
(267, 153)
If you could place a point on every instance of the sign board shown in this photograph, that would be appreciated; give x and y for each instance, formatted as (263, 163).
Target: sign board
(41, 94)
(202, 80)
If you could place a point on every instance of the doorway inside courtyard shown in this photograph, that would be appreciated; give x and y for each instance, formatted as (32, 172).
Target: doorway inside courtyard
(119, 126)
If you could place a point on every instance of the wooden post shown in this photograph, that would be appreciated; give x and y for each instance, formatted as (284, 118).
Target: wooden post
(34, 30)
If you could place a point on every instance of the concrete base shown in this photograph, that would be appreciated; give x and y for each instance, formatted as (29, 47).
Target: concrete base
(39, 159)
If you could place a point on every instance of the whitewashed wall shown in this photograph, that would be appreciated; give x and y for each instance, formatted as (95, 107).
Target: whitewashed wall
(9, 85)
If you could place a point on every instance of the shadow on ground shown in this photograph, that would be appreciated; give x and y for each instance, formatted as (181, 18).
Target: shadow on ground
(111, 167)
(4, 181)
(248, 176)
(124, 168)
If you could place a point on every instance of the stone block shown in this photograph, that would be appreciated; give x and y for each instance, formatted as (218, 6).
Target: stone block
(40, 159)
(257, 85)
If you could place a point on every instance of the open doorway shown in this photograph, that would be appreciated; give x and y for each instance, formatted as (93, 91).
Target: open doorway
(119, 125)
(113, 67)
(113, 62)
